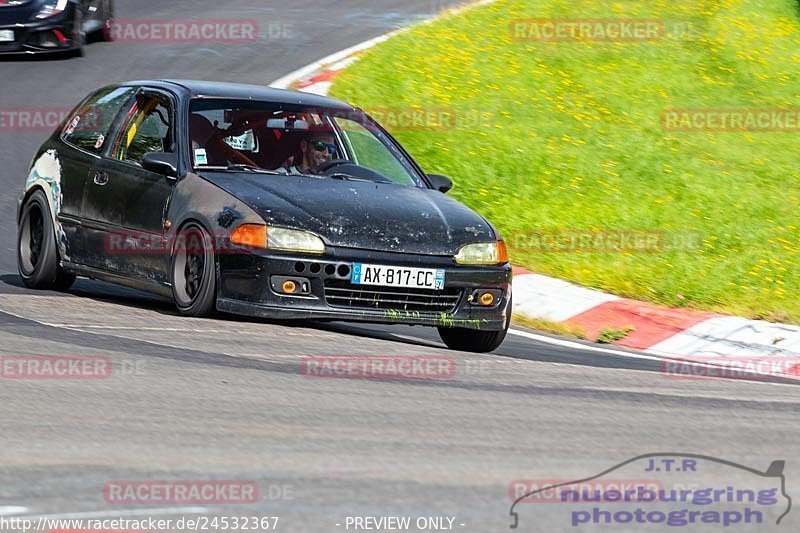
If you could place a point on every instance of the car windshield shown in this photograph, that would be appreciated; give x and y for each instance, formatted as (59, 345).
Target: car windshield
(294, 140)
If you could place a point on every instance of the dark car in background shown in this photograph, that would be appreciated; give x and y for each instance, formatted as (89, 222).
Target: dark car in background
(34, 26)
(258, 202)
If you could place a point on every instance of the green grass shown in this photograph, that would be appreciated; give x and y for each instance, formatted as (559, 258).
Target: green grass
(567, 137)
(548, 326)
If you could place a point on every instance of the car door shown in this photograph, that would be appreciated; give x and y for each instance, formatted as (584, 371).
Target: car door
(85, 133)
(131, 201)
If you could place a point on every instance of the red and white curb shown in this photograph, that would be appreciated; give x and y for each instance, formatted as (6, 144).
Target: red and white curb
(657, 330)
(318, 77)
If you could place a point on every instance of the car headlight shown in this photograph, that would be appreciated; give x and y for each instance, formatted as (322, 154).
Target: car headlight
(52, 8)
(483, 253)
(284, 239)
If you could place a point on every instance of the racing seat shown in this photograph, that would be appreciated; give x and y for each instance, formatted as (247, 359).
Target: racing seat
(276, 147)
(203, 134)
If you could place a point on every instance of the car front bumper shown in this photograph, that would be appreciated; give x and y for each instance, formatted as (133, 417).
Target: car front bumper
(48, 35)
(246, 287)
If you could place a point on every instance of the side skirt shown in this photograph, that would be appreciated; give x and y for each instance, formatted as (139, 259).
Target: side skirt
(118, 279)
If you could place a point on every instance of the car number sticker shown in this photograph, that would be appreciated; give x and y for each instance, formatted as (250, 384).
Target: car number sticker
(100, 140)
(6, 36)
(200, 157)
(391, 276)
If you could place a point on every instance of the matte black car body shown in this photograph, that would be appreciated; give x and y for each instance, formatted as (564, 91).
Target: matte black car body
(65, 31)
(358, 221)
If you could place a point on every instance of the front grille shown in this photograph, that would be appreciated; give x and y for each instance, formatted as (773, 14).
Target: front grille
(342, 293)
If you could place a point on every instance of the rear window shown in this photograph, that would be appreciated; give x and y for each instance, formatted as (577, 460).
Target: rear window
(89, 127)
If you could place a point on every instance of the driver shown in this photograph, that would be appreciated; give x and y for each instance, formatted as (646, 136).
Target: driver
(315, 149)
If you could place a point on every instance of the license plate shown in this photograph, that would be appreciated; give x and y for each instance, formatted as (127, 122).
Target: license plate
(6, 36)
(391, 276)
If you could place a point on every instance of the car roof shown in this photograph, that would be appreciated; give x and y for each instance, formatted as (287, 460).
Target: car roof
(242, 91)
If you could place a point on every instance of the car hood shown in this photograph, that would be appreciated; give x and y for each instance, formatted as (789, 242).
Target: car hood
(354, 214)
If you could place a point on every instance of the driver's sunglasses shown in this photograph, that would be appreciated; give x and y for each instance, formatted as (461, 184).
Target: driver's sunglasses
(321, 146)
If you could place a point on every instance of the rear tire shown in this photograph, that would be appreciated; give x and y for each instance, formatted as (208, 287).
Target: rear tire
(37, 253)
(193, 272)
(472, 340)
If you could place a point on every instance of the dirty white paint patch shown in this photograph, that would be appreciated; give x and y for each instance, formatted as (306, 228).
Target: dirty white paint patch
(46, 173)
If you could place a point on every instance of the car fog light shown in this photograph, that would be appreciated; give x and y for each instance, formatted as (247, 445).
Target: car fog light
(487, 298)
(291, 285)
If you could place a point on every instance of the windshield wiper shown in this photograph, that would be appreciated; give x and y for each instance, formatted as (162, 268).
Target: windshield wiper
(251, 168)
(341, 176)
(348, 177)
(237, 167)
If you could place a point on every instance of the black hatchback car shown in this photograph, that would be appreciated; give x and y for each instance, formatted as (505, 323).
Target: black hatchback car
(259, 202)
(32, 26)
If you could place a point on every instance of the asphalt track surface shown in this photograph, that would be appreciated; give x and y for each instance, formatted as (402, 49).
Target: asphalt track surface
(225, 399)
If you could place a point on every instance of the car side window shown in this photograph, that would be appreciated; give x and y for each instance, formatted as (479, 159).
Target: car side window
(148, 128)
(89, 126)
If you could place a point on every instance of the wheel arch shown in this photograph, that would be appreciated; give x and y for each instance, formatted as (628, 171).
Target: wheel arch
(27, 196)
(198, 219)
(46, 174)
(58, 231)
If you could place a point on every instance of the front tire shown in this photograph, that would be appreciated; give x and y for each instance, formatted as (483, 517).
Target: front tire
(37, 254)
(472, 340)
(193, 272)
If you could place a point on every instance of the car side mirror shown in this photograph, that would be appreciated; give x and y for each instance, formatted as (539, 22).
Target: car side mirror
(440, 183)
(161, 163)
